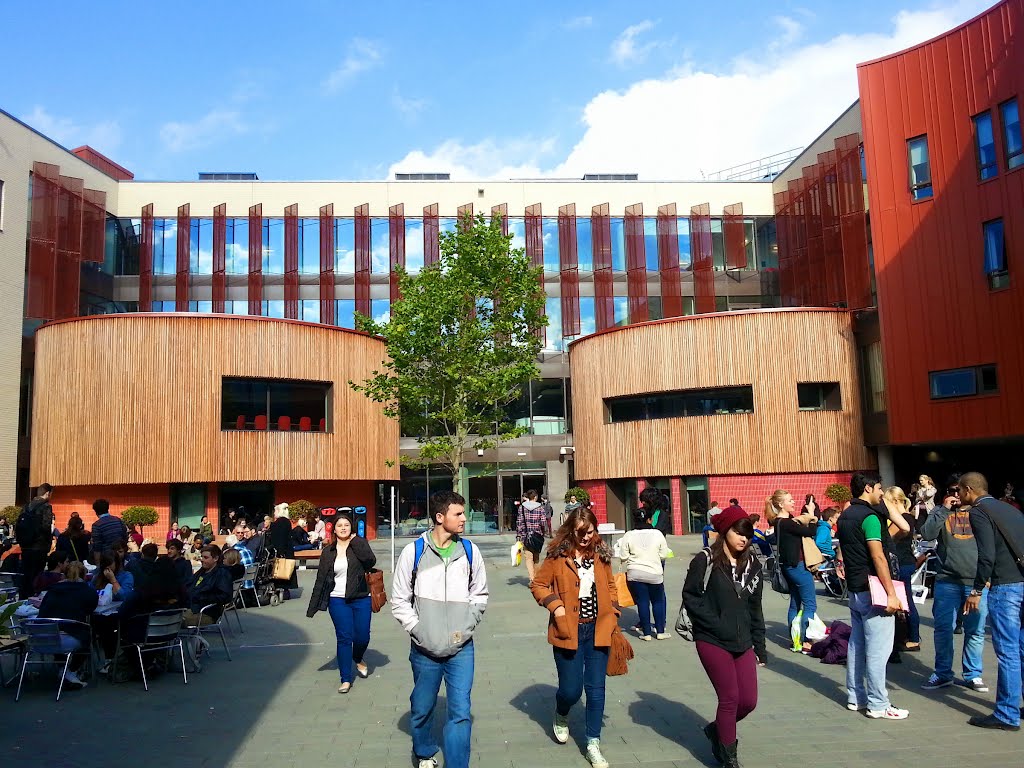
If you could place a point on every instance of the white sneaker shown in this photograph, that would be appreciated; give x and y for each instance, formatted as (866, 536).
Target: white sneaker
(854, 708)
(892, 713)
(594, 756)
(646, 638)
(977, 684)
(664, 636)
(427, 762)
(70, 678)
(560, 727)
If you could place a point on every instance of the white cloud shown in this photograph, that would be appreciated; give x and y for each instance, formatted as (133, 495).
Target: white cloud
(487, 159)
(104, 136)
(579, 22)
(361, 56)
(410, 107)
(215, 125)
(626, 51)
(791, 30)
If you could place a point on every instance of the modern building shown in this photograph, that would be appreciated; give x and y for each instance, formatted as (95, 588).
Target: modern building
(856, 309)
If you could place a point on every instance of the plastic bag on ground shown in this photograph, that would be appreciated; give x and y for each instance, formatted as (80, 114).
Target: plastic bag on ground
(816, 629)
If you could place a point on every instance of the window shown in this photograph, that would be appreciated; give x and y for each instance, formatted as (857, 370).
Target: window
(963, 382)
(200, 245)
(985, 146)
(275, 404)
(584, 245)
(345, 246)
(689, 402)
(236, 246)
(273, 246)
(995, 254)
(549, 236)
(819, 396)
(309, 246)
(920, 170)
(1012, 142)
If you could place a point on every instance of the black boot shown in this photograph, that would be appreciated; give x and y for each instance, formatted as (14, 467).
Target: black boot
(729, 757)
(711, 731)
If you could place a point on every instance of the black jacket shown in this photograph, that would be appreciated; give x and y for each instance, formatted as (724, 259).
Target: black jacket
(73, 600)
(76, 548)
(790, 535)
(726, 614)
(360, 560)
(210, 588)
(996, 563)
(280, 536)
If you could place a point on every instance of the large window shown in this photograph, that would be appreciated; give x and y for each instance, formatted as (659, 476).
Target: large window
(618, 232)
(963, 382)
(413, 245)
(309, 246)
(690, 402)
(549, 235)
(651, 244)
(273, 246)
(920, 169)
(995, 254)
(584, 245)
(236, 246)
(275, 404)
(1010, 113)
(345, 246)
(683, 235)
(200, 246)
(985, 146)
(165, 246)
(819, 396)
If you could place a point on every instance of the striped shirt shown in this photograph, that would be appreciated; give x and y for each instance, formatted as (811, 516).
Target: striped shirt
(107, 531)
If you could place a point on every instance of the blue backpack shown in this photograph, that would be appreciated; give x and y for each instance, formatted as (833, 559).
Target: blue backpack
(420, 545)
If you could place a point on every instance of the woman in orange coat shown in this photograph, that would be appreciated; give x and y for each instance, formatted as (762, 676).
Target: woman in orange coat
(576, 584)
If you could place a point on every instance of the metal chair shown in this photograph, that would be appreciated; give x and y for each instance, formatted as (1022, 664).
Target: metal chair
(163, 630)
(43, 638)
(214, 626)
(251, 573)
(232, 606)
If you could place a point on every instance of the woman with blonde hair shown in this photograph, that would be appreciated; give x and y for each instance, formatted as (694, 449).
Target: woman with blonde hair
(576, 585)
(926, 492)
(897, 503)
(790, 532)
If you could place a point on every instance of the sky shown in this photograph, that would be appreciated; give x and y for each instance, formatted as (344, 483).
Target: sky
(314, 89)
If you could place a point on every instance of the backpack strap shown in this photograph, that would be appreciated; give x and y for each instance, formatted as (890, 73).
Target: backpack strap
(418, 553)
(466, 545)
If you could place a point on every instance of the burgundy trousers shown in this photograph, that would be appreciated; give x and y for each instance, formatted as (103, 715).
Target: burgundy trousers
(735, 680)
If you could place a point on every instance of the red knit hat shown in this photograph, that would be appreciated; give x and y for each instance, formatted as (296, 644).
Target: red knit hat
(727, 518)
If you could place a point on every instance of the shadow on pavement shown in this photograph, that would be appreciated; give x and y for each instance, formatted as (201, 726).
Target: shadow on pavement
(538, 703)
(673, 721)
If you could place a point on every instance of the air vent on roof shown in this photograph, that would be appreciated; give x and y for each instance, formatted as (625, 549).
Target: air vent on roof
(423, 177)
(610, 176)
(218, 176)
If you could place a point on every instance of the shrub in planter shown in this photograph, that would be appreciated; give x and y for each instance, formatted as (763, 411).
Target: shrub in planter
(140, 516)
(10, 514)
(301, 509)
(581, 495)
(838, 493)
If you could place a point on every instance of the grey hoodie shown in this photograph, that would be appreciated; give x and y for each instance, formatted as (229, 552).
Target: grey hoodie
(957, 548)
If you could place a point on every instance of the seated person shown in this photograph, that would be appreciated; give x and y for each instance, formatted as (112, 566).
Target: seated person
(264, 524)
(157, 589)
(243, 532)
(176, 554)
(233, 562)
(111, 572)
(71, 599)
(194, 553)
(319, 531)
(211, 585)
(760, 540)
(823, 536)
(56, 565)
(141, 566)
(205, 531)
(300, 539)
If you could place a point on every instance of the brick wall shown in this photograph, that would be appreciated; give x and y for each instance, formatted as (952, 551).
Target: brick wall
(751, 490)
(598, 491)
(68, 499)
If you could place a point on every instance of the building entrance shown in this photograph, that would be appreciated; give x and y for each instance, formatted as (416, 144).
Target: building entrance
(251, 500)
(512, 486)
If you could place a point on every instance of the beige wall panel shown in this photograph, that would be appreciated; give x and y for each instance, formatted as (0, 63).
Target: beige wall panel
(772, 350)
(137, 399)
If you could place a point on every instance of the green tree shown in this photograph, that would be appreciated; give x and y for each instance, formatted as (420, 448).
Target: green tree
(462, 341)
(140, 516)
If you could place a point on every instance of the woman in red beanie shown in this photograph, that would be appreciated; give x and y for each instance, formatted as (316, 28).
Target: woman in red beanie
(728, 626)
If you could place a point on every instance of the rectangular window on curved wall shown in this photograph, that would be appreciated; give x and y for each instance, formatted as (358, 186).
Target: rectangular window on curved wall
(920, 168)
(588, 316)
(549, 235)
(345, 246)
(273, 308)
(200, 246)
(345, 313)
(963, 382)
(716, 401)
(275, 405)
(236, 246)
(985, 146)
(309, 310)
(819, 396)
(273, 246)
(996, 272)
(1009, 111)
(309, 246)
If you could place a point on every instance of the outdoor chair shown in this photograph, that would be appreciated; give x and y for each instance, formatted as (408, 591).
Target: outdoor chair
(43, 638)
(284, 423)
(305, 424)
(9, 583)
(213, 627)
(260, 422)
(240, 422)
(232, 605)
(251, 572)
(162, 634)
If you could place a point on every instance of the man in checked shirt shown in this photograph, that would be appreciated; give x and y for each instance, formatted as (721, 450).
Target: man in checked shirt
(530, 530)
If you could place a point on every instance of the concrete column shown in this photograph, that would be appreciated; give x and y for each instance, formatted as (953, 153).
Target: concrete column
(886, 468)
(558, 484)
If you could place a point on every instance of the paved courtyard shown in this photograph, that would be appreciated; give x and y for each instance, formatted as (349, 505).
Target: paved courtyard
(276, 704)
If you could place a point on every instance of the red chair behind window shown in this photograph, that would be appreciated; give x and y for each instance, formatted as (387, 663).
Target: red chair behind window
(260, 422)
(323, 425)
(240, 422)
(305, 423)
(284, 423)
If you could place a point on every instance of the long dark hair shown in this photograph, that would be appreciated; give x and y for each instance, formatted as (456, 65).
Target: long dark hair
(744, 527)
(567, 537)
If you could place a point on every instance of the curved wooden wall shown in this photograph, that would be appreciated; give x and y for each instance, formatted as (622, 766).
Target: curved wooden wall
(771, 350)
(137, 399)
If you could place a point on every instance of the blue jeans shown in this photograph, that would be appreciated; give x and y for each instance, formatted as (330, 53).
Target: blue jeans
(647, 596)
(913, 618)
(351, 619)
(584, 668)
(427, 673)
(870, 645)
(801, 597)
(1004, 603)
(949, 601)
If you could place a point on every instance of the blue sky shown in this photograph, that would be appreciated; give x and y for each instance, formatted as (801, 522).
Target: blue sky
(332, 90)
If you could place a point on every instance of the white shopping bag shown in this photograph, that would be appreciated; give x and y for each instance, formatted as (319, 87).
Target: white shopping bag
(516, 553)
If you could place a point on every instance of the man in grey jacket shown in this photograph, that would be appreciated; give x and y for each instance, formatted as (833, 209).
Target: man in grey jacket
(950, 526)
(439, 595)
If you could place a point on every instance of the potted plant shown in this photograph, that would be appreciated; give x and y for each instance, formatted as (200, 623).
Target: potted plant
(303, 510)
(581, 495)
(839, 494)
(10, 513)
(140, 516)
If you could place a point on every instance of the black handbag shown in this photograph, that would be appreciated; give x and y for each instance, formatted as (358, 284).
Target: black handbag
(534, 541)
(779, 583)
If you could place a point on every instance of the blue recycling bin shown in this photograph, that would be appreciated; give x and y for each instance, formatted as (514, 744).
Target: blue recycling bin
(359, 515)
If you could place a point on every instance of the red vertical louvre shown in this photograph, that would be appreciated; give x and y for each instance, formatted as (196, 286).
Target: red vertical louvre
(815, 279)
(42, 241)
(501, 210)
(256, 259)
(534, 227)
(601, 247)
(463, 211)
(396, 239)
(362, 213)
(668, 261)
(702, 258)
(832, 240)
(569, 276)
(146, 260)
(68, 275)
(291, 261)
(327, 264)
(735, 236)
(220, 236)
(798, 240)
(94, 226)
(431, 249)
(853, 223)
(785, 246)
(636, 264)
(182, 259)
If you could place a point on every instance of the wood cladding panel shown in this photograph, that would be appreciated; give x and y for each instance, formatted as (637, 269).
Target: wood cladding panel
(137, 399)
(771, 350)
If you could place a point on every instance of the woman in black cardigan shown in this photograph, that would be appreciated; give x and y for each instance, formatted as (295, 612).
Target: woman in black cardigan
(790, 532)
(341, 590)
(279, 535)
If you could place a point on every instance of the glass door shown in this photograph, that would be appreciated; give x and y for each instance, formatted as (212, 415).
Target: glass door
(512, 485)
